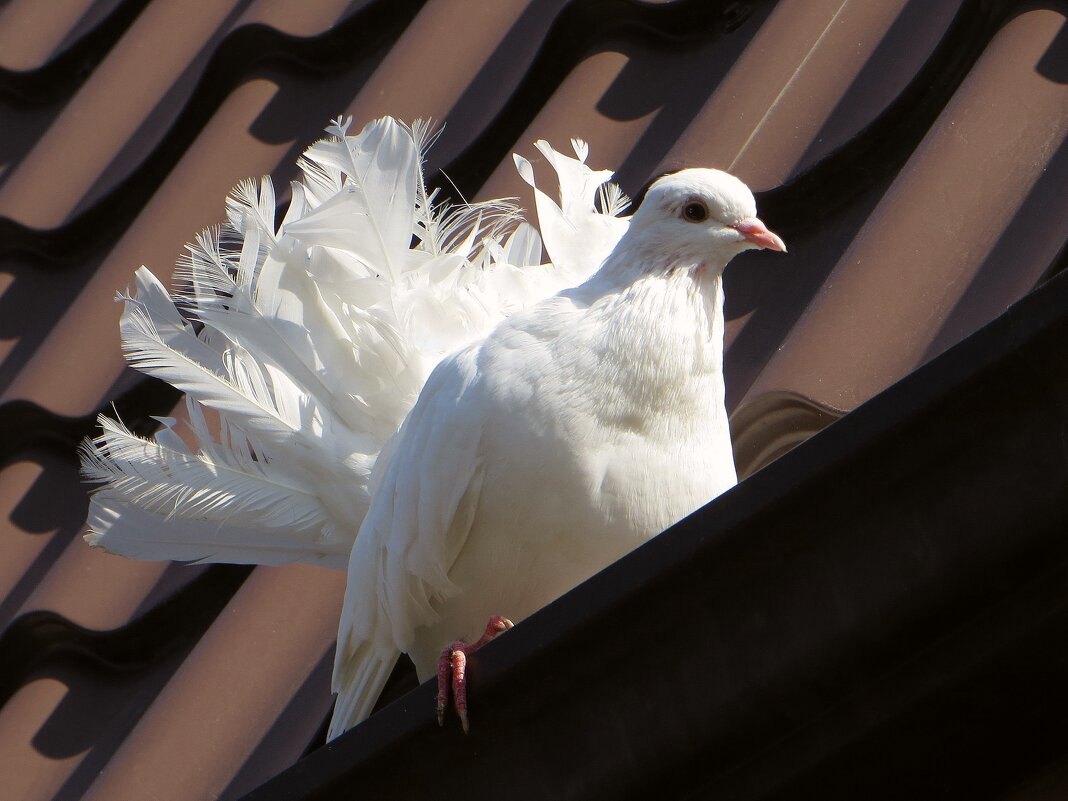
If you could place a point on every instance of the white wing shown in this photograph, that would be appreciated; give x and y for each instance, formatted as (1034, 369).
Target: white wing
(419, 520)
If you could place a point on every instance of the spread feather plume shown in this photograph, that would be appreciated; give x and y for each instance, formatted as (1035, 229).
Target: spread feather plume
(301, 347)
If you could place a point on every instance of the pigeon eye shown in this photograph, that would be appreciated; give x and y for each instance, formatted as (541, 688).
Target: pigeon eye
(695, 212)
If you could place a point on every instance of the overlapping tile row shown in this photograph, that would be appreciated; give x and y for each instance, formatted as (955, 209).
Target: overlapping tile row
(912, 153)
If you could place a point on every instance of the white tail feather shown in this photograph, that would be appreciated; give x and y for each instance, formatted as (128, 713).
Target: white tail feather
(577, 237)
(172, 481)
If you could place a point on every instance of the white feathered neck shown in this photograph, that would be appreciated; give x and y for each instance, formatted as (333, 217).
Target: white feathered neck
(657, 345)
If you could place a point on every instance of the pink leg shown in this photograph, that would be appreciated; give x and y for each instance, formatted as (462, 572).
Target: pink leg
(453, 665)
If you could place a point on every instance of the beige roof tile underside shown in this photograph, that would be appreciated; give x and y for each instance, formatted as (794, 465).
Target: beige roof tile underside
(924, 244)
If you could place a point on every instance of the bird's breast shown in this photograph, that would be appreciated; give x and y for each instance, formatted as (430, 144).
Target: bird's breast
(553, 512)
(603, 432)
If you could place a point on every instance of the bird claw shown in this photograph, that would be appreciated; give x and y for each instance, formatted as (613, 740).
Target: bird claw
(452, 670)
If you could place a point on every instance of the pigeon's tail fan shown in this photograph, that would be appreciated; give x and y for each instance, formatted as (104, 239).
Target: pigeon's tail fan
(358, 681)
(578, 236)
(301, 346)
(160, 496)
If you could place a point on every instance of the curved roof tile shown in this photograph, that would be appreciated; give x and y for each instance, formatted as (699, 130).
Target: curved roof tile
(911, 151)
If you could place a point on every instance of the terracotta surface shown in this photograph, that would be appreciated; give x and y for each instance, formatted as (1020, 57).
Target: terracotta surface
(907, 230)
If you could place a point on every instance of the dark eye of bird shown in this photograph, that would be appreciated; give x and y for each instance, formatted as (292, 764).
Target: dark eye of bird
(695, 212)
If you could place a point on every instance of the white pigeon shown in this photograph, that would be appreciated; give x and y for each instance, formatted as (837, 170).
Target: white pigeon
(571, 434)
(575, 430)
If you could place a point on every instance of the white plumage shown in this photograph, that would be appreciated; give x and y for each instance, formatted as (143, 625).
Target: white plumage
(542, 449)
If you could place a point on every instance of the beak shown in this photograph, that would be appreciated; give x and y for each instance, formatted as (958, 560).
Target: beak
(756, 232)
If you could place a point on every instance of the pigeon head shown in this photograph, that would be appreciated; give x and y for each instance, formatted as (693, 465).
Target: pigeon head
(699, 216)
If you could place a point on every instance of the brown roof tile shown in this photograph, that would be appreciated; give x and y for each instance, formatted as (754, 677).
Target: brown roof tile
(884, 308)
(232, 689)
(912, 253)
(29, 38)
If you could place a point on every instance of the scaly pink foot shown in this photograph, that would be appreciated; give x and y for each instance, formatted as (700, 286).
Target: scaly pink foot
(453, 663)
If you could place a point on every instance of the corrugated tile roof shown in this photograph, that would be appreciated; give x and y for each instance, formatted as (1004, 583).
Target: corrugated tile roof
(912, 152)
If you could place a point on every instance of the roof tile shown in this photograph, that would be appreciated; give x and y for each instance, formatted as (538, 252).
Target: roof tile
(911, 222)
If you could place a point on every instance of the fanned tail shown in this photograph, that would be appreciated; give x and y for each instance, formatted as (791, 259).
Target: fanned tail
(578, 237)
(270, 517)
(301, 347)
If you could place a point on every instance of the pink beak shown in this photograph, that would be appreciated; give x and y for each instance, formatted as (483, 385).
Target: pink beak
(756, 232)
